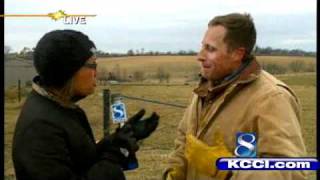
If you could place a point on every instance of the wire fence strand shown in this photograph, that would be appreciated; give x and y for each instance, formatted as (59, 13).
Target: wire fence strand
(154, 101)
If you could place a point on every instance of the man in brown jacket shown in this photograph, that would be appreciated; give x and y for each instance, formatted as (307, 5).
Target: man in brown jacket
(235, 95)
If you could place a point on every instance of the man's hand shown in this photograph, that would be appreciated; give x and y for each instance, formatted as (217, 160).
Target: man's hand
(203, 157)
(174, 174)
(142, 128)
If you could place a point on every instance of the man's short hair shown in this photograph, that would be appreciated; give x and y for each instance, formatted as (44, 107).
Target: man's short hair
(240, 28)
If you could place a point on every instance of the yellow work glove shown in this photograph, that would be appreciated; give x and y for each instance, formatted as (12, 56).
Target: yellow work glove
(175, 174)
(203, 157)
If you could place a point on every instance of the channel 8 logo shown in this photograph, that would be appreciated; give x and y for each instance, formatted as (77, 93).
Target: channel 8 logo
(119, 113)
(246, 145)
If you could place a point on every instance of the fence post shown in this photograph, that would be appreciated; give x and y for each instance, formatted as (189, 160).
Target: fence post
(106, 112)
(19, 90)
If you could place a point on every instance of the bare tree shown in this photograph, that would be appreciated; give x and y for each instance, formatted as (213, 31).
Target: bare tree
(162, 75)
(167, 77)
(7, 50)
(130, 52)
(138, 75)
(297, 66)
(26, 53)
(124, 75)
(102, 74)
(25, 50)
(117, 72)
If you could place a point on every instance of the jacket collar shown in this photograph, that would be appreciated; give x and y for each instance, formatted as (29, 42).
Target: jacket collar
(51, 95)
(249, 74)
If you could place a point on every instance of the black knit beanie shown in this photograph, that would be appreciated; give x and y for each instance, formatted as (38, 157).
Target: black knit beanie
(60, 54)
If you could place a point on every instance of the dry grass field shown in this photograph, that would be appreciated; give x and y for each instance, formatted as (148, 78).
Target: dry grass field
(180, 68)
(154, 150)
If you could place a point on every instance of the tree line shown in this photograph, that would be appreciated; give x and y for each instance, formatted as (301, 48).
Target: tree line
(27, 53)
(260, 51)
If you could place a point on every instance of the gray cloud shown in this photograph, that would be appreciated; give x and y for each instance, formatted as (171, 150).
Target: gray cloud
(167, 25)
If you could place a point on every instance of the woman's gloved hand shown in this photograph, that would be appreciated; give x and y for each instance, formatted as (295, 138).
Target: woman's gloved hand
(142, 128)
(123, 137)
(120, 147)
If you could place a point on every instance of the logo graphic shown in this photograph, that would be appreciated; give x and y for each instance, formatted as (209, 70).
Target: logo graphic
(119, 113)
(67, 18)
(57, 15)
(246, 164)
(246, 152)
(246, 145)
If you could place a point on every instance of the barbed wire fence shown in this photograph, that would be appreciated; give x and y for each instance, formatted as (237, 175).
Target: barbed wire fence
(107, 96)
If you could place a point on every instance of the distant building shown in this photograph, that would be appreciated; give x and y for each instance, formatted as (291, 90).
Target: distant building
(18, 69)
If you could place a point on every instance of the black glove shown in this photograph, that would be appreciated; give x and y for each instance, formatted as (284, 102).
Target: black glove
(120, 148)
(142, 128)
(126, 162)
(123, 137)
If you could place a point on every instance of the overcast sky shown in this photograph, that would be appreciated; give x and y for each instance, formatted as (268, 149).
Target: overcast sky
(163, 25)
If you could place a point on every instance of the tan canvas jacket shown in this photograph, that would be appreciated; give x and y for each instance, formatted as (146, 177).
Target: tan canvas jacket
(255, 102)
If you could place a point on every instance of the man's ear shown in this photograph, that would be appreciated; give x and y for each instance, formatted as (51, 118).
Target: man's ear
(238, 54)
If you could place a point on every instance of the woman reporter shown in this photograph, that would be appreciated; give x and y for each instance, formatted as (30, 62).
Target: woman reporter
(53, 138)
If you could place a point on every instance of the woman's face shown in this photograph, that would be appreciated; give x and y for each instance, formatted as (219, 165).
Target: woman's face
(84, 81)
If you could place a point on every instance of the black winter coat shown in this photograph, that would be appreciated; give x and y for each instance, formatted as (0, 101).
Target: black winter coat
(56, 143)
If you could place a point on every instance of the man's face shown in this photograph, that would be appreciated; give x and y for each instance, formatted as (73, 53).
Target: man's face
(215, 60)
(84, 81)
